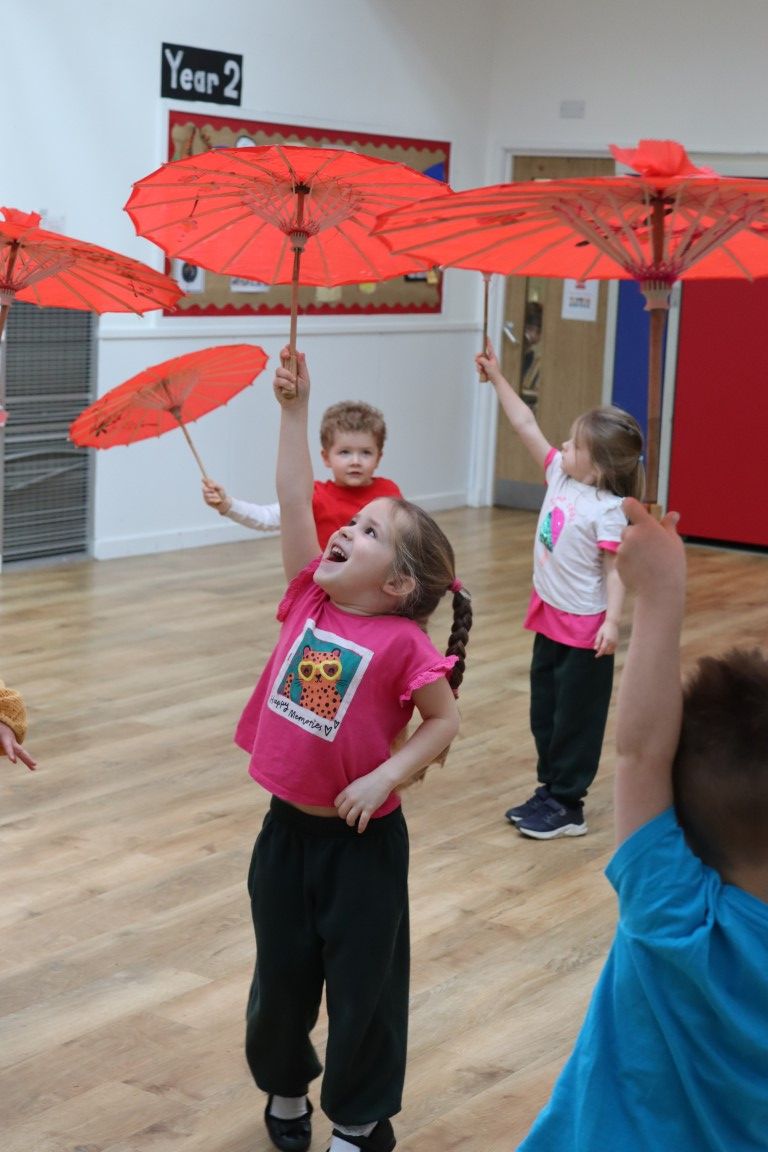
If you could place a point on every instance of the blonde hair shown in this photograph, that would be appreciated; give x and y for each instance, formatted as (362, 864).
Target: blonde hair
(352, 416)
(615, 445)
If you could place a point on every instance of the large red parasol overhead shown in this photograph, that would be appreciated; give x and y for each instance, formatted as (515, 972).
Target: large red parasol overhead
(55, 271)
(282, 214)
(670, 221)
(169, 395)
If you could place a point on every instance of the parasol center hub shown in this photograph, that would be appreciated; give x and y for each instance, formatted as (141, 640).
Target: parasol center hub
(656, 293)
(299, 238)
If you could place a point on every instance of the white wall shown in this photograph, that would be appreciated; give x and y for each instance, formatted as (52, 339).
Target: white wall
(692, 71)
(83, 119)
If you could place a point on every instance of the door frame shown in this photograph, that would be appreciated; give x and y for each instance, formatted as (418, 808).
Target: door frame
(485, 408)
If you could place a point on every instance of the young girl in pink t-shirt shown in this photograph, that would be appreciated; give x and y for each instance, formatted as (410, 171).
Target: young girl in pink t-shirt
(576, 602)
(324, 730)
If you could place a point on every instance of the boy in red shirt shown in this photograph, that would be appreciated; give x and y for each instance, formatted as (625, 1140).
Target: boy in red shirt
(352, 436)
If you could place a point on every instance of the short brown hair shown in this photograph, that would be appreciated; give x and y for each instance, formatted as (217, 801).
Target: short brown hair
(352, 416)
(720, 771)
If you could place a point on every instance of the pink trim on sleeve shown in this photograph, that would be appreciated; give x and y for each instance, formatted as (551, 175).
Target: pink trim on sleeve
(441, 667)
(300, 581)
(550, 457)
(609, 545)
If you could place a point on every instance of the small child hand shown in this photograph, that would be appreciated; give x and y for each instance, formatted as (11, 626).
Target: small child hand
(13, 750)
(607, 638)
(360, 799)
(651, 557)
(215, 496)
(290, 385)
(487, 364)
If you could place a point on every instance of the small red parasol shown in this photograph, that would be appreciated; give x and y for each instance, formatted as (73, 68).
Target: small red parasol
(55, 271)
(281, 214)
(169, 395)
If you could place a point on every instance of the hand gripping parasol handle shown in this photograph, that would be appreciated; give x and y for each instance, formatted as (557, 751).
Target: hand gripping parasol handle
(176, 413)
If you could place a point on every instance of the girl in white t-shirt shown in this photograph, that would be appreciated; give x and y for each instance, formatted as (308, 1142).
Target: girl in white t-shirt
(576, 601)
(324, 730)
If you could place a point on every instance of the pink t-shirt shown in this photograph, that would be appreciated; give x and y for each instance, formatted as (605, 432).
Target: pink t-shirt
(333, 696)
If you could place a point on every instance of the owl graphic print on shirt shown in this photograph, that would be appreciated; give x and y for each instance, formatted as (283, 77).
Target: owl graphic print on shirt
(318, 680)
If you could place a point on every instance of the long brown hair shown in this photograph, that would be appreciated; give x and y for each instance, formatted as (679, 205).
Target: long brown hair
(423, 552)
(615, 445)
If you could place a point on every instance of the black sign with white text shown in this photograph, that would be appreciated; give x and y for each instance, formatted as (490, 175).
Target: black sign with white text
(201, 74)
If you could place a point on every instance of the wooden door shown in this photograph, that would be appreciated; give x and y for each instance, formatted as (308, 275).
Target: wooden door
(556, 364)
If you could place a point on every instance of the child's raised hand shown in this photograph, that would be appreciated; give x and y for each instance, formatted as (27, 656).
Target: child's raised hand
(487, 365)
(651, 557)
(290, 386)
(215, 496)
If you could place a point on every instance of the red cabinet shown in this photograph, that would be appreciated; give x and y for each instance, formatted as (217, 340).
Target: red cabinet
(718, 473)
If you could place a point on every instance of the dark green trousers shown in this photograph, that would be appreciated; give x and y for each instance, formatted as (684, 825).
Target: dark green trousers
(330, 908)
(570, 694)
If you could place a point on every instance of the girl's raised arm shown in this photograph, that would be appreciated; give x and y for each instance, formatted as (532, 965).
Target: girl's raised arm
(516, 410)
(651, 563)
(295, 480)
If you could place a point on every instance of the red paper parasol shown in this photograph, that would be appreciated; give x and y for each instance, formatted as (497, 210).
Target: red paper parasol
(54, 271)
(168, 395)
(671, 221)
(281, 214)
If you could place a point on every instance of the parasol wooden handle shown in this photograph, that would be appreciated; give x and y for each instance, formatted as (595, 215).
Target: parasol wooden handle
(655, 372)
(299, 238)
(484, 347)
(177, 416)
(294, 316)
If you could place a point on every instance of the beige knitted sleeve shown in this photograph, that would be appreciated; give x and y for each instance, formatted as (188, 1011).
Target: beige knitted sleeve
(13, 712)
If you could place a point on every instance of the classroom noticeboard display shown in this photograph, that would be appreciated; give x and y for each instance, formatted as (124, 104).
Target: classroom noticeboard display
(211, 294)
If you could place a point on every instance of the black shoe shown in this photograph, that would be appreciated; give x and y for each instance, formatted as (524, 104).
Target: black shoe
(381, 1139)
(554, 819)
(523, 811)
(289, 1135)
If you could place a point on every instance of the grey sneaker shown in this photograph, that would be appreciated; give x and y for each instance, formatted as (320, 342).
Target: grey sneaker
(523, 811)
(553, 819)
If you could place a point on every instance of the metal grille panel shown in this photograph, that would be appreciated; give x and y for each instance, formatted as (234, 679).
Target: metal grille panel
(48, 369)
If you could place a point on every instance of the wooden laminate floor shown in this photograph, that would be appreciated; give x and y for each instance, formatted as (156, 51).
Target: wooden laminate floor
(126, 940)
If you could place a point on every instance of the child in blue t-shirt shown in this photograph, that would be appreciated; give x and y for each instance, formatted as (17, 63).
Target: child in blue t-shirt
(673, 1050)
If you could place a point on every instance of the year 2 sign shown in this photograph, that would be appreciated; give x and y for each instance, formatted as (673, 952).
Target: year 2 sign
(201, 74)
